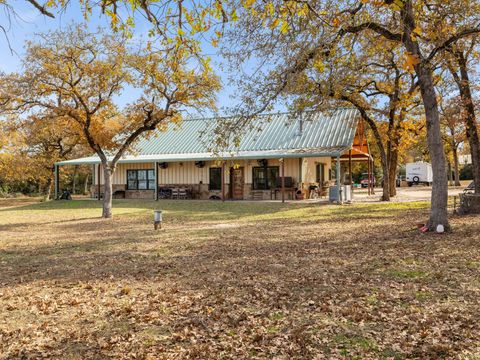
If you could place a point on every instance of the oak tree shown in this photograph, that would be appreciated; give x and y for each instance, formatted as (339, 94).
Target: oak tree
(77, 76)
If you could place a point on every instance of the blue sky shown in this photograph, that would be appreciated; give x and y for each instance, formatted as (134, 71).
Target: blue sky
(29, 22)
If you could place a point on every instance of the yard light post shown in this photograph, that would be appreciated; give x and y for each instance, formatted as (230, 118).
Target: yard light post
(157, 219)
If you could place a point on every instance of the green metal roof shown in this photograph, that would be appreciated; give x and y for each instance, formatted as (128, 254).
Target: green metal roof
(322, 134)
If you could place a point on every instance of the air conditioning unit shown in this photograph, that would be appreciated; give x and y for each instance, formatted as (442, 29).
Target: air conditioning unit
(200, 164)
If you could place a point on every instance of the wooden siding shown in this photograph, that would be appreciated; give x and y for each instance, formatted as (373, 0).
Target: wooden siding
(309, 171)
(187, 173)
(183, 173)
(120, 175)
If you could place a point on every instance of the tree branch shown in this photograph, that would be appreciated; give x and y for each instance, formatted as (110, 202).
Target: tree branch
(41, 8)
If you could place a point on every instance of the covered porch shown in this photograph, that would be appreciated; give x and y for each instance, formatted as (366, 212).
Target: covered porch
(308, 175)
(292, 157)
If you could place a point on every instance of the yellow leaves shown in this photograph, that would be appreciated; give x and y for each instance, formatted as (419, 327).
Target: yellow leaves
(249, 3)
(284, 28)
(416, 32)
(336, 22)
(234, 16)
(384, 87)
(303, 11)
(410, 61)
(270, 9)
(274, 23)
(395, 4)
(319, 65)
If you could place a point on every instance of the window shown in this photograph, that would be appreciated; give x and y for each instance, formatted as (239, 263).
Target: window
(215, 182)
(320, 173)
(141, 179)
(265, 178)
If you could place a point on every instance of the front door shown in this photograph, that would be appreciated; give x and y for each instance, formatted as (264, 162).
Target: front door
(236, 183)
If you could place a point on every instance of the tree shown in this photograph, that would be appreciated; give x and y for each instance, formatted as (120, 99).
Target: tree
(327, 27)
(48, 139)
(76, 75)
(453, 132)
(460, 60)
(172, 22)
(372, 80)
(36, 143)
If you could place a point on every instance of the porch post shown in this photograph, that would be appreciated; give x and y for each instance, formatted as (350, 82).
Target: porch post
(339, 200)
(350, 167)
(368, 176)
(93, 181)
(283, 179)
(300, 172)
(373, 177)
(223, 180)
(98, 180)
(57, 178)
(156, 180)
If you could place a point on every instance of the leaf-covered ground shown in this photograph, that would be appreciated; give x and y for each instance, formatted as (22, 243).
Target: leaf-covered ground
(236, 280)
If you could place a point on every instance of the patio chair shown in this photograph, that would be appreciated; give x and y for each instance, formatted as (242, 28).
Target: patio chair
(175, 193)
(182, 193)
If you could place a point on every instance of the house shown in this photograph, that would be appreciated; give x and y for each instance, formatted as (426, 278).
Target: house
(303, 150)
(465, 159)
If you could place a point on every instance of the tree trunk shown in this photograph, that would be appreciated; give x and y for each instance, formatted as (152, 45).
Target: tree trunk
(438, 211)
(438, 208)
(107, 191)
(74, 180)
(393, 172)
(48, 188)
(384, 162)
(455, 167)
(385, 188)
(470, 120)
(449, 169)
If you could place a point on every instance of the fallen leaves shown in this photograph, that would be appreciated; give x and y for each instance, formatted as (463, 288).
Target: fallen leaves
(271, 284)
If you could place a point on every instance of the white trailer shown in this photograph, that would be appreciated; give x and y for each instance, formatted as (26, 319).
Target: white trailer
(419, 173)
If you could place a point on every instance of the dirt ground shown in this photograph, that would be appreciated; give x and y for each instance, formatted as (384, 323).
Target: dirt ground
(405, 194)
(236, 280)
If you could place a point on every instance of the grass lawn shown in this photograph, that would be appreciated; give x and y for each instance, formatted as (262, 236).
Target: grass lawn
(236, 280)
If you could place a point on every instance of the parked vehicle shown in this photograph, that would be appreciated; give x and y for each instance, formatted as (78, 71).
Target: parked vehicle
(419, 173)
(398, 180)
(364, 180)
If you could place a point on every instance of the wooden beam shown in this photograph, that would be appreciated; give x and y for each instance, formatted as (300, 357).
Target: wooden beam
(283, 179)
(373, 177)
(92, 188)
(368, 176)
(350, 167)
(223, 180)
(156, 180)
(339, 191)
